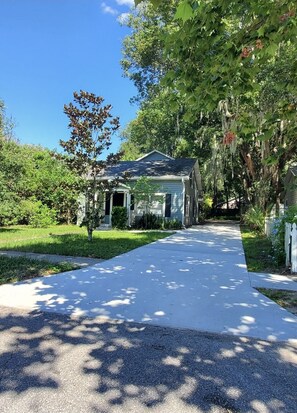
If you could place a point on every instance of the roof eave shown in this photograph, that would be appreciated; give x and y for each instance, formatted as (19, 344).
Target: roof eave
(158, 178)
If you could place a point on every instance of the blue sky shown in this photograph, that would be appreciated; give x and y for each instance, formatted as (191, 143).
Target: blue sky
(49, 49)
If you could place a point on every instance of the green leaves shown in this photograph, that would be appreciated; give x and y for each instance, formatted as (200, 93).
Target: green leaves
(92, 127)
(155, 3)
(184, 11)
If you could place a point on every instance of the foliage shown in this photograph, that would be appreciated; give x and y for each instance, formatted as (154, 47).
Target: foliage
(20, 268)
(144, 192)
(130, 150)
(30, 174)
(42, 216)
(119, 217)
(230, 58)
(148, 221)
(278, 233)
(152, 221)
(92, 127)
(6, 125)
(70, 240)
(278, 241)
(255, 218)
(258, 252)
(172, 224)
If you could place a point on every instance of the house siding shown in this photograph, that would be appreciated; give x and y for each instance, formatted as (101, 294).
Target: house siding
(155, 157)
(175, 188)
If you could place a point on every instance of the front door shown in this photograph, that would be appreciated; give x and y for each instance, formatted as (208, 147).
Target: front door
(118, 199)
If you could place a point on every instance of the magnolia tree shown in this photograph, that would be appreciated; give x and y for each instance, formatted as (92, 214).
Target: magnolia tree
(92, 127)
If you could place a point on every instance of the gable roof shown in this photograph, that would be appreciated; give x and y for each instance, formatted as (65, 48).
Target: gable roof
(173, 168)
(153, 153)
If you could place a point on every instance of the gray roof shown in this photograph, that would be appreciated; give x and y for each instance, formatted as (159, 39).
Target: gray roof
(181, 167)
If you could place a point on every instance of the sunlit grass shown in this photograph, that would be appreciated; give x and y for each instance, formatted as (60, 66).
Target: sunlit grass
(258, 251)
(286, 299)
(19, 268)
(72, 240)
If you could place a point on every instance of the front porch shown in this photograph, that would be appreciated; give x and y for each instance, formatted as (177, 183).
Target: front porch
(121, 198)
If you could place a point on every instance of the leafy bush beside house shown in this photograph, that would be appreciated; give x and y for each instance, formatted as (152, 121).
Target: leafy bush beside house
(152, 221)
(119, 217)
(255, 218)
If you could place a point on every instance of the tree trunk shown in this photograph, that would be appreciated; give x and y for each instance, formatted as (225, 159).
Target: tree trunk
(90, 234)
(68, 216)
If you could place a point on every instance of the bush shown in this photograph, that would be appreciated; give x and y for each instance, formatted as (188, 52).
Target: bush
(8, 213)
(42, 216)
(172, 224)
(148, 221)
(255, 218)
(278, 234)
(27, 208)
(152, 221)
(119, 217)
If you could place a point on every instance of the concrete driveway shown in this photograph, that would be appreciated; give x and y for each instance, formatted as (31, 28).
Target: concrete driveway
(195, 279)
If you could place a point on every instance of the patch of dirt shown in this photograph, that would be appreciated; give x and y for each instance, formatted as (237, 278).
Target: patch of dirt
(286, 299)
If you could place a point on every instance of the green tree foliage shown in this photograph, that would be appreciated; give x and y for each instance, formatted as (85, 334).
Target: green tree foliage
(235, 60)
(144, 191)
(92, 127)
(33, 179)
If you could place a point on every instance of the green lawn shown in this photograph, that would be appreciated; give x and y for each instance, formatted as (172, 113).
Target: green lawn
(72, 240)
(257, 250)
(19, 268)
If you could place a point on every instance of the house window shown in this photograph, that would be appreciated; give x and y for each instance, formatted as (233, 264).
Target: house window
(168, 206)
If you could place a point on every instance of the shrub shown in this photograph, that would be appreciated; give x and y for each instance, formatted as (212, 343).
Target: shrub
(172, 224)
(8, 213)
(42, 216)
(255, 218)
(152, 221)
(148, 221)
(119, 217)
(27, 208)
(278, 234)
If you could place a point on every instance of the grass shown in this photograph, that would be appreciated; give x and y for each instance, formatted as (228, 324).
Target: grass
(72, 240)
(286, 299)
(257, 249)
(19, 268)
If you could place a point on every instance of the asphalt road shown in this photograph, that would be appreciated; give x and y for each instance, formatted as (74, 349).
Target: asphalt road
(54, 363)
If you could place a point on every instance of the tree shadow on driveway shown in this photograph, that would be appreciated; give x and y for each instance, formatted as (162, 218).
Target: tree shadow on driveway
(55, 363)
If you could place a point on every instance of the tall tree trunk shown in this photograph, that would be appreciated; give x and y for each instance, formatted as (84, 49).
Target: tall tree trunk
(90, 234)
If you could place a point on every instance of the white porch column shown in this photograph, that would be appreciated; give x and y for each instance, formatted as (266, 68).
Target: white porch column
(183, 202)
(110, 210)
(128, 204)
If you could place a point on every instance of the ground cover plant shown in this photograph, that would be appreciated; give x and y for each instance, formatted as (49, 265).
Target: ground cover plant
(71, 240)
(258, 252)
(20, 268)
(286, 299)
